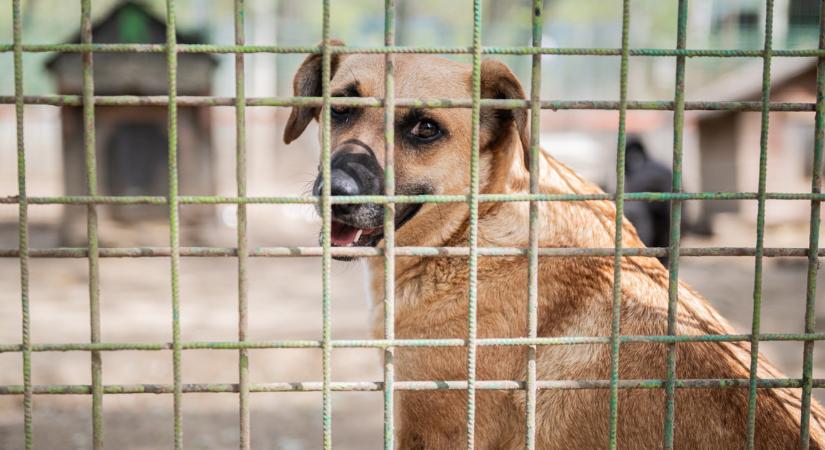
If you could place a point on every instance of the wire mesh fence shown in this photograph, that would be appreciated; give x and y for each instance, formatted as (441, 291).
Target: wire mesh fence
(242, 251)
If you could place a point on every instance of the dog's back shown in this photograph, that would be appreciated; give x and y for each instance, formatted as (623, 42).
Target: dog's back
(706, 417)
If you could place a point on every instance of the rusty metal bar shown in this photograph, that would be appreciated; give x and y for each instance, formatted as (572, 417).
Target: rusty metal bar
(174, 217)
(378, 102)
(326, 216)
(367, 386)
(389, 225)
(615, 330)
(383, 199)
(760, 227)
(444, 252)
(813, 242)
(675, 226)
(534, 233)
(503, 50)
(243, 246)
(472, 262)
(23, 223)
(91, 224)
(383, 343)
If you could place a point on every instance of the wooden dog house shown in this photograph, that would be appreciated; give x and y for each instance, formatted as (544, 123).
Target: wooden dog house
(132, 141)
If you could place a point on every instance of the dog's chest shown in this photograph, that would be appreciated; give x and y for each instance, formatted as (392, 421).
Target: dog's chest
(431, 298)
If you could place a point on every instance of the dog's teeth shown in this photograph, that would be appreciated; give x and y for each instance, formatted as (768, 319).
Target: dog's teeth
(357, 236)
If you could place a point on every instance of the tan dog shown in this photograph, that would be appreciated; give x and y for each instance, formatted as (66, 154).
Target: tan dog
(575, 294)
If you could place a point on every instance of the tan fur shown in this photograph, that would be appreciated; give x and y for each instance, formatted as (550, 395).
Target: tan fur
(575, 297)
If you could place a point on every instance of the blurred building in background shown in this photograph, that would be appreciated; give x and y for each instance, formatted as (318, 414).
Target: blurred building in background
(132, 141)
(729, 142)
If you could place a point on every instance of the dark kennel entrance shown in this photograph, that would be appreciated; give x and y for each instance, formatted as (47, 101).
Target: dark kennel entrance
(136, 162)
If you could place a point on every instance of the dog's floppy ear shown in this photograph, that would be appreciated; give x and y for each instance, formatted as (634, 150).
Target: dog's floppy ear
(499, 82)
(307, 83)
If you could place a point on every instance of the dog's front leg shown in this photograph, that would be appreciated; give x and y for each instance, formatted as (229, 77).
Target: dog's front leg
(410, 441)
(433, 420)
(437, 420)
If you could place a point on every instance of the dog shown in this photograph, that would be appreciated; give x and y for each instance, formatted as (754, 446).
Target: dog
(432, 156)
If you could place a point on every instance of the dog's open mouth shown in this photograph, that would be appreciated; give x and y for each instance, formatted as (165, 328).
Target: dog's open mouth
(346, 235)
(343, 235)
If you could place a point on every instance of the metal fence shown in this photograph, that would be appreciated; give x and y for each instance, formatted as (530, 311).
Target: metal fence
(242, 252)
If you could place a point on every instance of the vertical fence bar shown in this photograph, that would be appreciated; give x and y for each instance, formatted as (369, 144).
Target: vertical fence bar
(533, 258)
(22, 221)
(91, 223)
(760, 224)
(389, 222)
(243, 248)
(615, 330)
(174, 227)
(675, 226)
(813, 244)
(472, 301)
(326, 215)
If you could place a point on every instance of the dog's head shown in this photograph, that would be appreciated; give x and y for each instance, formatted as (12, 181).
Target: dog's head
(432, 145)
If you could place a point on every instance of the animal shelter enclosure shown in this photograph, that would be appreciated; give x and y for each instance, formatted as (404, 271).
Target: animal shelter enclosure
(242, 252)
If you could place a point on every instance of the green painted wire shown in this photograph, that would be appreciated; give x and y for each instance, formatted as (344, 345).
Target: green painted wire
(389, 224)
(615, 329)
(533, 257)
(382, 199)
(206, 48)
(760, 228)
(243, 242)
(472, 300)
(368, 252)
(813, 245)
(384, 343)
(675, 226)
(91, 225)
(326, 215)
(23, 223)
(174, 219)
(377, 102)
(441, 385)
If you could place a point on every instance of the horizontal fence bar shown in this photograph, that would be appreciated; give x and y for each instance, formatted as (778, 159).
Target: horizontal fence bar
(378, 102)
(564, 51)
(385, 343)
(355, 386)
(449, 252)
(382, 199)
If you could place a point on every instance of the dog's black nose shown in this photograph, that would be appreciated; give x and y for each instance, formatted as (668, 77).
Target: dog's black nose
(342, 183)
(354, 171)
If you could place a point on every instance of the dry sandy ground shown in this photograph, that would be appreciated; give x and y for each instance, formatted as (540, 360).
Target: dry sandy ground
(284, 303)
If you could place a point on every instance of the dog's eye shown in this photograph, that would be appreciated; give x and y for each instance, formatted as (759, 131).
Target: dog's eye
(425, 131)
(339, 112)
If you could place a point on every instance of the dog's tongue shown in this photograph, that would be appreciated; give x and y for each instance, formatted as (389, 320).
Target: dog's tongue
(343, 235)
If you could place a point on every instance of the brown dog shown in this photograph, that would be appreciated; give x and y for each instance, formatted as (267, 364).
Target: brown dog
(575, 294)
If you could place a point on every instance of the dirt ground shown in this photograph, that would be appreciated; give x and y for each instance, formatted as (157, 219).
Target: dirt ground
(284, 303)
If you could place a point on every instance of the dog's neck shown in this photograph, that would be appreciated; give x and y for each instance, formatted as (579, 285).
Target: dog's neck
(506, 224)
(503, 171)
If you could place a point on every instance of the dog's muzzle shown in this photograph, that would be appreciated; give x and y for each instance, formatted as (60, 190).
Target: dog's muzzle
(354, 171)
